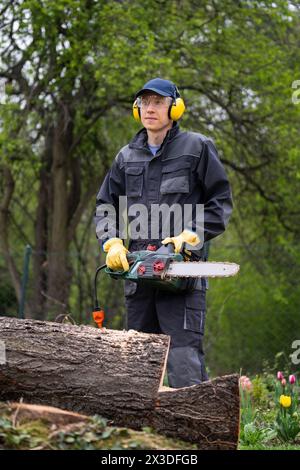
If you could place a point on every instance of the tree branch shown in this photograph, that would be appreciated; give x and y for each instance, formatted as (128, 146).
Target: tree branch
(81, 208)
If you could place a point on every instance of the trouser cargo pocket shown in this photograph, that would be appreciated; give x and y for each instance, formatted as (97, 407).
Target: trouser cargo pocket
(195, 311)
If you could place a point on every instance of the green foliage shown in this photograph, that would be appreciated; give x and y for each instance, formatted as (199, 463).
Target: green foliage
(249, 318)
(260, 392)
(269, 414)
(287, 420)
(287, 426)
(8, 301)
(29, 436)
(248, 411)
(93, 434)
(252, 435)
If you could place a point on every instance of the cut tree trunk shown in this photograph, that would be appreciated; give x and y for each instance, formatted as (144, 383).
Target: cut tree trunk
(81, 368)
(117, 375)
(207, 414)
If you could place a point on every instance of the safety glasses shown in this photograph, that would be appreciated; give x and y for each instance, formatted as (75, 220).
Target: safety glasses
(154, 100)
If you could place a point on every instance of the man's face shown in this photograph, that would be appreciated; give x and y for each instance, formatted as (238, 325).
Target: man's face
(154, 111)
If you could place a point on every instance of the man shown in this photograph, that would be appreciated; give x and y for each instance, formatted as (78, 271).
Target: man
(163, 165)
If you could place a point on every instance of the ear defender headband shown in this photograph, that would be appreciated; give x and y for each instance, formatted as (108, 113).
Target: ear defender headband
(175, 111)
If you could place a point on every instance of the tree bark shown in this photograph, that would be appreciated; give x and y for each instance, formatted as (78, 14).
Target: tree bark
(207, 414)
(9, 186)
(40, 263)
(59, 279)
(117, 375)
(5, 248)
(81, 368)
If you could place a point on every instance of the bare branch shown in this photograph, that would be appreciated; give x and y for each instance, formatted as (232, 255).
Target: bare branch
(88, 126)
(250, 179)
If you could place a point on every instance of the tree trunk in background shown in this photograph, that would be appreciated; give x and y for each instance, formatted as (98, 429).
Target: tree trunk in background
(117, 375)
(40, 263)
(58, 266)
(9, 185)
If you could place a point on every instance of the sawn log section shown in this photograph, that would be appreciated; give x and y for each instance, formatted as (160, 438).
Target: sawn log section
(118, 375)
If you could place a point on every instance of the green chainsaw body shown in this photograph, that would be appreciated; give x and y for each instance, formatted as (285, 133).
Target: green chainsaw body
(150, 267)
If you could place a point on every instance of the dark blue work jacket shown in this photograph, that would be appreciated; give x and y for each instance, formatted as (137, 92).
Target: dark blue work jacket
(185, 170)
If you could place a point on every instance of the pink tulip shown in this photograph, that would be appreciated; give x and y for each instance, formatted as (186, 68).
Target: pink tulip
(283, 382)
(292, 379)
(245, 383)
(280, 375)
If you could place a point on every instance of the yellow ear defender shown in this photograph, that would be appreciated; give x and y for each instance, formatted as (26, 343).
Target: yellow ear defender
(136, 111)
(175, 111)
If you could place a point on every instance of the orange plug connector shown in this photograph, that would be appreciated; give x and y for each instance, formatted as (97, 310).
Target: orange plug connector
(98, 316)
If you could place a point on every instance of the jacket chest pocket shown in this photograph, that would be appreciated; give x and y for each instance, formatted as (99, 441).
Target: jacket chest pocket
(134, 181)
(175, 178)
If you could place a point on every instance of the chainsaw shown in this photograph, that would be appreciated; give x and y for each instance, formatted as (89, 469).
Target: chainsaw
(164, 269)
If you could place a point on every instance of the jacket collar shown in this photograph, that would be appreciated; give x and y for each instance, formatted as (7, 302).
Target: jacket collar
(140, 140)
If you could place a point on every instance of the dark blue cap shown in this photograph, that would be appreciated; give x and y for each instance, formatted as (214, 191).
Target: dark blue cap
(160, 86)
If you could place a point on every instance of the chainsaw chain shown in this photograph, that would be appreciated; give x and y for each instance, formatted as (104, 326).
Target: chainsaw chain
(197, 262)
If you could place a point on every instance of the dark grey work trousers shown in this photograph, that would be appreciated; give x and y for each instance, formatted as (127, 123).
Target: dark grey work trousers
(179, 315)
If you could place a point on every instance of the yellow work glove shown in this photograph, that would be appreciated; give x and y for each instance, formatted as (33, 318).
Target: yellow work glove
(185, 237)
(116, 254)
